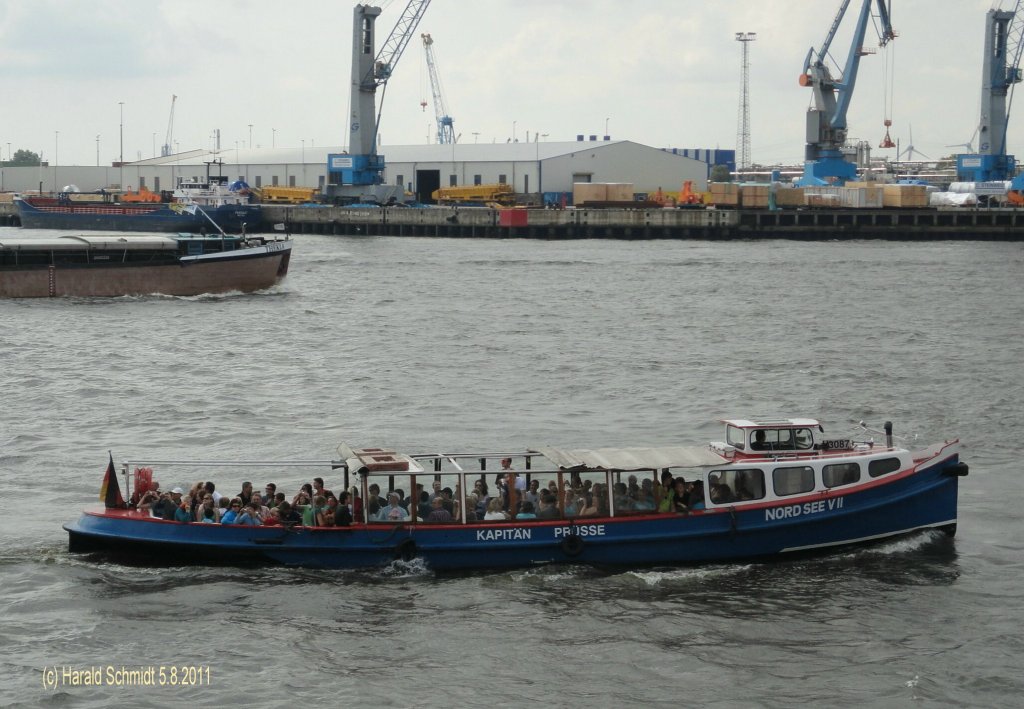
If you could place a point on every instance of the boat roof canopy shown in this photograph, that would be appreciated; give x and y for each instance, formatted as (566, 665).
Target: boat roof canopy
(91, 243)
(632, 458)
(771, 423)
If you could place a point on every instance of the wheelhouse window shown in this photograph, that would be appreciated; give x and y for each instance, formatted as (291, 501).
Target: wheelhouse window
(735, 437)
(793, 480)
(883, 466)
(726, 486)
(840, 474)
(781, 439)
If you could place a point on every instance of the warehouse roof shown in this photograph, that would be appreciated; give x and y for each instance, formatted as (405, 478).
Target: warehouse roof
(468, 152)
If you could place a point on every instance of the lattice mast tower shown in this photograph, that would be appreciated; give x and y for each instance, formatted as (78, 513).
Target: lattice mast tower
(743, 120)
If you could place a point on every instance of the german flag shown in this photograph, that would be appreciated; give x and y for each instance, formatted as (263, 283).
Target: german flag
(110, 492)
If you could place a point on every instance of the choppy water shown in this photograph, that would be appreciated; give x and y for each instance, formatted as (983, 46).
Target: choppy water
(454, 344)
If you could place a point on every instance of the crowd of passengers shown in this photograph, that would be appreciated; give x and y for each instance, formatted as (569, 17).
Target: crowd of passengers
(316, 506)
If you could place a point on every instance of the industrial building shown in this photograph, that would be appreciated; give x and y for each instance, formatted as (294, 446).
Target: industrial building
(531, 168)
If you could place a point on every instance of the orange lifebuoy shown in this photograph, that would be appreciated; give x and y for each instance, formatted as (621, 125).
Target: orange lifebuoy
(143, 480)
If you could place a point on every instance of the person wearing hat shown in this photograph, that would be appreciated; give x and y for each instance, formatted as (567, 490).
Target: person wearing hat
(167, 505)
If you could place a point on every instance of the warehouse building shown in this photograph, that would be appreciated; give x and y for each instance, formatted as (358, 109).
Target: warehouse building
(531, 168)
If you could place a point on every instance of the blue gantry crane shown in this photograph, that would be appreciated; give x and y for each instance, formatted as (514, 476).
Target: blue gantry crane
(824, 160)
(358, 176)
(445, 126)
(1001, 72)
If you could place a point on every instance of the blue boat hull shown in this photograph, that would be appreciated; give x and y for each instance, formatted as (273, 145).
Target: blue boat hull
(923, 499)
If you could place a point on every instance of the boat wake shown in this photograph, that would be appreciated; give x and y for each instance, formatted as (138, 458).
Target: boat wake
(399, 569)
(904, 545)
(661, 577)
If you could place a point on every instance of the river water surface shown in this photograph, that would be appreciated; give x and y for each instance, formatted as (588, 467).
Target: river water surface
(503, 345)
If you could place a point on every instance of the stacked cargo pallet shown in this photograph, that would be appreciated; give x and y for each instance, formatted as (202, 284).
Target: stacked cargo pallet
(789, 197)
(725, 194)
(852, 196)
(600, 192)
(754, 196)
(905, 196)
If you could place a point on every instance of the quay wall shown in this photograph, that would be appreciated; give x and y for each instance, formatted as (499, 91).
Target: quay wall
(926, 224)
(845, 224)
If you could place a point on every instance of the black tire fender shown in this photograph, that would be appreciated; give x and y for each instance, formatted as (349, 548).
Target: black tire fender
(956, 470)
(406, 550)
(572, 545)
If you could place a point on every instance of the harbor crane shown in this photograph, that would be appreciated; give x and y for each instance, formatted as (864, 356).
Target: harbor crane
(165, 149)
(1001, 72)
(824, 160)
(445, 127)
(358, 176)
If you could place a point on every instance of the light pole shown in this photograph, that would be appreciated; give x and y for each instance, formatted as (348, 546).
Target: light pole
(273, 137)
(250, 136)
(97, 150)
(476, 136)
(303, 161)
(120, 160)
(56, 157)
(154, 145)
(513, 131)
(606, 127)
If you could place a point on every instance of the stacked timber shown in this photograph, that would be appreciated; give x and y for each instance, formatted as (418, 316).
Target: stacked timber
(789, 197)
(754, 196)
(904, 196)
(601, 192)
(725, 194)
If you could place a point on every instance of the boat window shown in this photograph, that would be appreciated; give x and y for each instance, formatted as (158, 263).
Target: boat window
(793, 480)
(804, 439)
(734, 437)
(882, 466)
(840, 474)
(736, 485)
(771, 439)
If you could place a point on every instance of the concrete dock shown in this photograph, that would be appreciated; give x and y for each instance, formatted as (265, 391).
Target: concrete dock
(477, 222)
(811, 224)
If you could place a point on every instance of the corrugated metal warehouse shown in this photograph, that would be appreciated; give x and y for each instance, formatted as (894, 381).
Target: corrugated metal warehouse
(531, 168)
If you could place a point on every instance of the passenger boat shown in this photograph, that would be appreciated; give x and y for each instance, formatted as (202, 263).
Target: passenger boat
(195, 205)
(116, 265)
(776, 488)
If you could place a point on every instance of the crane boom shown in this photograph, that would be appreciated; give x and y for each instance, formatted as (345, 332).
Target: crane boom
(165, 150)
(445, 125)
(396, 42)
(824, 162)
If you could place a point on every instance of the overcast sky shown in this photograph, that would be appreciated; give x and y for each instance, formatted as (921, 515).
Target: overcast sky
(664, 73)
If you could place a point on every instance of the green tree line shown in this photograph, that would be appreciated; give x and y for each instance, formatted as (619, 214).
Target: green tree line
(22, 158)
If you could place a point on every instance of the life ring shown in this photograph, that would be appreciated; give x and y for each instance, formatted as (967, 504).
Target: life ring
(406, 550)
(572, 545)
